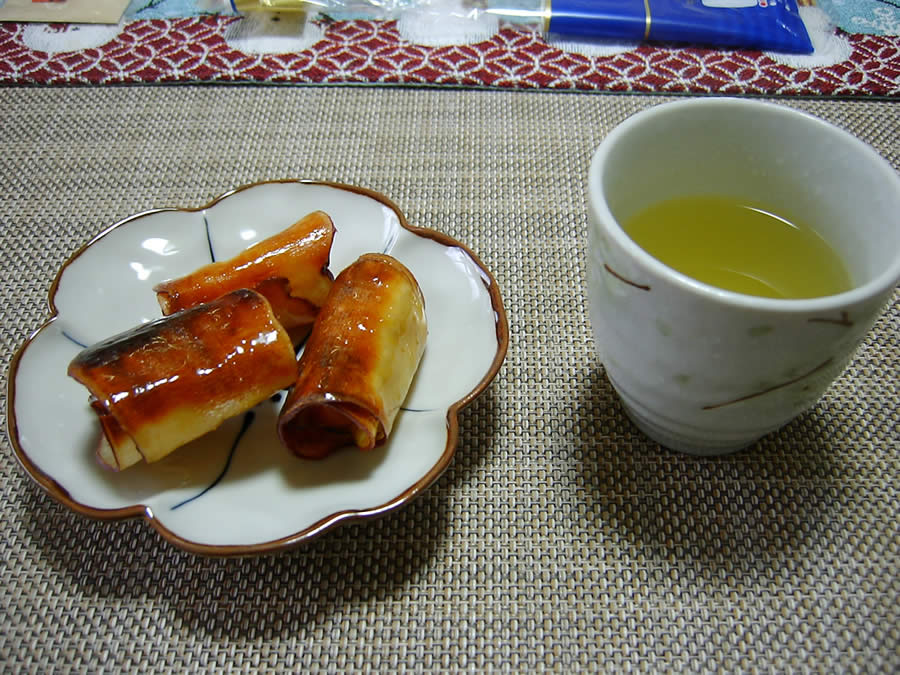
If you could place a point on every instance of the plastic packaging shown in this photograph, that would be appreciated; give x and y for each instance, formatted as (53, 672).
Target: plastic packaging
(362, 9)
(773, 25)
(762, 24)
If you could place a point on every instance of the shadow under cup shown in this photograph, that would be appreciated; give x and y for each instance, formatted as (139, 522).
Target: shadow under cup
(705, 370)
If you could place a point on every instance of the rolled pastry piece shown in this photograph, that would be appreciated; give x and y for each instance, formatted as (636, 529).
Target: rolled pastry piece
(289, 268)
(359, 361)
(166, 382)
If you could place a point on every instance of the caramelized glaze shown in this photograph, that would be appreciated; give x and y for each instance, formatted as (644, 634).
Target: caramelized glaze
(289, 268)
(169, 381)
(359, 362)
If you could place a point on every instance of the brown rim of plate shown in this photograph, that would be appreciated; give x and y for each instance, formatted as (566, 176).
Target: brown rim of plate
(60, 494)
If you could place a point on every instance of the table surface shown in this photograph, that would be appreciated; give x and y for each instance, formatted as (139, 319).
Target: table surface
(559, 538)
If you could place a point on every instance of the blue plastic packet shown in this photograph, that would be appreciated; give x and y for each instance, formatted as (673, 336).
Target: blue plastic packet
(773, 25)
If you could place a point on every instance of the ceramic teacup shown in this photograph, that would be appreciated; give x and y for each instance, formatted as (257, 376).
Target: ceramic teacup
(709, 371)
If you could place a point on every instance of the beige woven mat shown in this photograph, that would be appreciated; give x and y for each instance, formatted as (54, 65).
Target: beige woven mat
(559, 538)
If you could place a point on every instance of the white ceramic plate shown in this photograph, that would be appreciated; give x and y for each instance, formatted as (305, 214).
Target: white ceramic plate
(237, 490)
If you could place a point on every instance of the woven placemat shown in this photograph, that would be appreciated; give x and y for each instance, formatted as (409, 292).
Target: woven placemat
(559, 538)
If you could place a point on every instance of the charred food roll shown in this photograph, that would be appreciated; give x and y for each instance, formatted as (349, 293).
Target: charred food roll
(289, 268)
(165, 383)
(359, 362)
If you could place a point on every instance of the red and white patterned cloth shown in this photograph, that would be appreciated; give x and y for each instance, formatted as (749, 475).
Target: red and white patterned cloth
(198, 49)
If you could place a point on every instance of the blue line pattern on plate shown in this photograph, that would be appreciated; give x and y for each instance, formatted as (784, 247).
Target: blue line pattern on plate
(73, 340)
(249, 416)
(391, 239)
(212, 253)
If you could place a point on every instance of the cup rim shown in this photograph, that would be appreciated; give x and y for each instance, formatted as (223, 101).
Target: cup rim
(874, 287)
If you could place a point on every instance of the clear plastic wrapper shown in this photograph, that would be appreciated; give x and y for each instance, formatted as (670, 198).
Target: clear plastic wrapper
(773, 25)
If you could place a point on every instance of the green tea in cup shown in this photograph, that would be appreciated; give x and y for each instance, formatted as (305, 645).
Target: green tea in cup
(743, 195)
(739, 246)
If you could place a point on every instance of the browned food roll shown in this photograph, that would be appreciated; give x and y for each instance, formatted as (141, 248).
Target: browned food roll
(167, 382)
(359, 362)
(289, 268)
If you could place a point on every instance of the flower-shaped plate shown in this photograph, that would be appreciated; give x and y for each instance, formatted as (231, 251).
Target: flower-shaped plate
(237, 490)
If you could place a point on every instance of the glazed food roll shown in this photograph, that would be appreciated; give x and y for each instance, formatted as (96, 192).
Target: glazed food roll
(166, 382)
(289, 268)
(359, 361)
